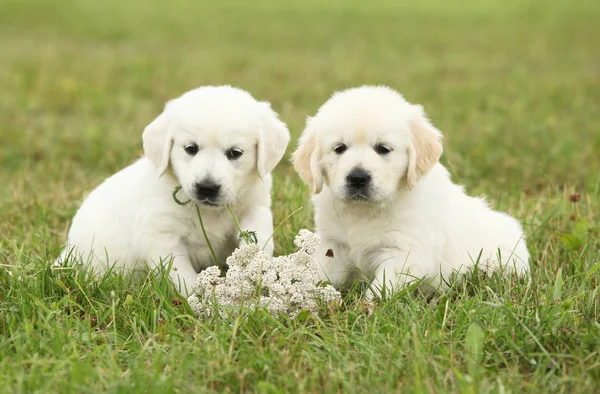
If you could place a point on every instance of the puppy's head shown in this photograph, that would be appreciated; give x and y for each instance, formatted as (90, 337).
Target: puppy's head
(217, 141)
(366, 143)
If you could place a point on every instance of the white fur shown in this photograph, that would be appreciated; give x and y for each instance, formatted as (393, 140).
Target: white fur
(131, 220)
(415, 223)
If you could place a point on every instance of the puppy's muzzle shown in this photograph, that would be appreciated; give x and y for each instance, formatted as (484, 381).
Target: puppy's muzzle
(358, 184)
(207, 192)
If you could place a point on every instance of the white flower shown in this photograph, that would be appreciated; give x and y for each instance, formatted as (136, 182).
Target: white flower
(196, 305)
(307, 241)
(281, 285)
(209, 278)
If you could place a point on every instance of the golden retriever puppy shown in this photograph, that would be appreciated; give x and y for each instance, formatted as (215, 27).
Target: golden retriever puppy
(384, 205)
(220, 145)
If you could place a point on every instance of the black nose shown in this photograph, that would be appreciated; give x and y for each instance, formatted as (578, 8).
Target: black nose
(358, 178)
(207, 190)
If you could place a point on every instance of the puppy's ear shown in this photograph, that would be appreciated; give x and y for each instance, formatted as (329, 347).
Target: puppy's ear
(425, 148)
(273, 140)
(306, 159)
(157, 141)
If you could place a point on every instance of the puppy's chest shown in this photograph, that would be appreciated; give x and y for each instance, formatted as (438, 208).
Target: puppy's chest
(367, 230)
(222, 238)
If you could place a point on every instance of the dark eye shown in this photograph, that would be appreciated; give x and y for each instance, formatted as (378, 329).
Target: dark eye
(382, 149)
(234, 153)
(339, 149)
(191, 149)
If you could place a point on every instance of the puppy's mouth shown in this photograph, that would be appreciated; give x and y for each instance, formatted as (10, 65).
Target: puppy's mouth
(209, 203)
(358, 195)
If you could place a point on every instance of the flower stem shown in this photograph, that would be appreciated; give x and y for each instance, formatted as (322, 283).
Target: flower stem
(206, 236)
(279, 225)
(248, 236)
(178, 201)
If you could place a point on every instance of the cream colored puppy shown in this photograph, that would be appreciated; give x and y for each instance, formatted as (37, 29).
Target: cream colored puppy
(385, 206)
(220, 145)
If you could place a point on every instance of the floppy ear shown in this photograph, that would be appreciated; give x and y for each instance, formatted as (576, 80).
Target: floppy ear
(273, 140)
(425, 148)
(306, 159)
(157, 141)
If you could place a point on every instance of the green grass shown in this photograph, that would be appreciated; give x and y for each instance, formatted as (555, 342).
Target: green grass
(514, 85)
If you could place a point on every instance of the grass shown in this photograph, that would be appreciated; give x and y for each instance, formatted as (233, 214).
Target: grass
(514, 85)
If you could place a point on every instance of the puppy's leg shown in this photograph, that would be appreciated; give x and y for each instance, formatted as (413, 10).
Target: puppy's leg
(260, 220)
(334, 264)
(394, 269)
(182, 273)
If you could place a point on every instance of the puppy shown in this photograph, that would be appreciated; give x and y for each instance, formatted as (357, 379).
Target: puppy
(220, 145)
(385, 206)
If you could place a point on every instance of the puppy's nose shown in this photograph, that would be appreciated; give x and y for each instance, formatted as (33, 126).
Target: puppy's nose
(207, 190)
(358, 178)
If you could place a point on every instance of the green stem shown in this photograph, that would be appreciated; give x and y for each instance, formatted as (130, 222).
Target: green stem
(279, 225)
(206, 236)
(235, 219)
(246, 235)
(178, 201)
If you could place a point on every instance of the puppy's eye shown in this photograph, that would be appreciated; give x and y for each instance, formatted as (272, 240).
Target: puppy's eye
(191, 149)
(382, 149)
(234, 153)
(339, 149)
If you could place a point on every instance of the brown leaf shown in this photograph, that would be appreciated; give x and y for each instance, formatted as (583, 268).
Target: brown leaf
(177, 301)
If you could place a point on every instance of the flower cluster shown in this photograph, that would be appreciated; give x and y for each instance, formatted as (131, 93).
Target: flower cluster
(254, 279)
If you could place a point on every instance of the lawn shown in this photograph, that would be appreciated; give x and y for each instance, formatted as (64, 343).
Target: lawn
(514, 86)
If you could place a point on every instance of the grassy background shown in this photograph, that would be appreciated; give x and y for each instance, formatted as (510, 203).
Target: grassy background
(514, 85)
